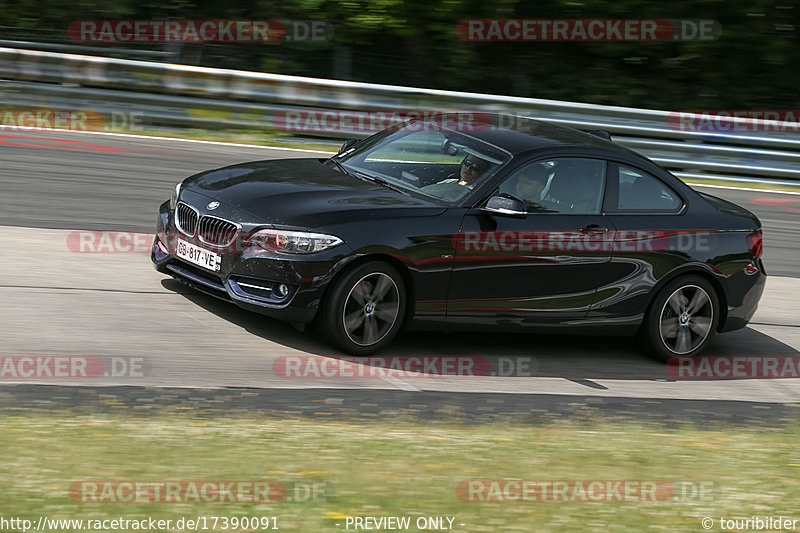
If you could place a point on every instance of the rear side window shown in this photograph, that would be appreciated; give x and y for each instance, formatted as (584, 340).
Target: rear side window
(639, 191)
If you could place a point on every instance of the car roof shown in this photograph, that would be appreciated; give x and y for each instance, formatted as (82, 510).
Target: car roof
(518, 135)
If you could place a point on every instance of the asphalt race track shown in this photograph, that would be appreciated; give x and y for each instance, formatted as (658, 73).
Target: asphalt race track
(57, 302)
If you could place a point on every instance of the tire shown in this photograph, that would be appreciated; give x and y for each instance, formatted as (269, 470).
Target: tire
(364, 310)
(682, 319)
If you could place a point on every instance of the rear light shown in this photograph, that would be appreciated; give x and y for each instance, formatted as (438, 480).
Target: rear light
(755, 244)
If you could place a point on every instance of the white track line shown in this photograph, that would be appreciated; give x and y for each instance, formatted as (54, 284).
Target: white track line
(770, 191)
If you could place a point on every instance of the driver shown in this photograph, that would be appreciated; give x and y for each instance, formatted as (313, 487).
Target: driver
(531, 183)
(472, 167)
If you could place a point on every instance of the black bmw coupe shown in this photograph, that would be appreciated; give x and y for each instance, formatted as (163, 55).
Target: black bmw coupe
(504, 224)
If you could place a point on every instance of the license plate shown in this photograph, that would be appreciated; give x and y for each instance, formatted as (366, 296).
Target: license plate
(198, 256)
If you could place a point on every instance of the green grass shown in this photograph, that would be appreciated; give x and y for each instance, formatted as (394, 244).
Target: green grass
(401, 468)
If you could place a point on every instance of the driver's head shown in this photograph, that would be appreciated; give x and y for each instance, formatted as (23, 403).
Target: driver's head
(472, 167)
(531, 183)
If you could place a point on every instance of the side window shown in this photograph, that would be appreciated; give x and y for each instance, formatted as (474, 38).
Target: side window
(639, 191)
(563, 185)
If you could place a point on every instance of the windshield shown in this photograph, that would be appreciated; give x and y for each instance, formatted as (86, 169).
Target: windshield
(444, 166)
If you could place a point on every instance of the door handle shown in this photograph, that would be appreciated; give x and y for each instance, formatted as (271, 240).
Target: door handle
(593, 228)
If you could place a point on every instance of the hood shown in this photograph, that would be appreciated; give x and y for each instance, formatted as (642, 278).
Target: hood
(303, 193)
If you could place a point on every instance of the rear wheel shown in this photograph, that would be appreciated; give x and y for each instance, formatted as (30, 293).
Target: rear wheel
(365, 308)
(682, 318)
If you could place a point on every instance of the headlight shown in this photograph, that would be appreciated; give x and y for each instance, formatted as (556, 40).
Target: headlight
(293, 242)
(173, 201)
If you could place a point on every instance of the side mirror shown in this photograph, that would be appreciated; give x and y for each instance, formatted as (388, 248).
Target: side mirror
(349, 143)
(449, 148)
(603, 134)
(506, 206)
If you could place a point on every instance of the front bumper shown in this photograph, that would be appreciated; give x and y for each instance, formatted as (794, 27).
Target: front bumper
(250, 277)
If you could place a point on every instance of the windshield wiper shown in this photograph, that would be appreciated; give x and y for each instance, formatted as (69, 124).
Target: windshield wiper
(381, 181)
(367, 177)
(339, 166)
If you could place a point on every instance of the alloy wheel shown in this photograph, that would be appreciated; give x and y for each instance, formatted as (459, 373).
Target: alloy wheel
(686, 319)
(371, 309)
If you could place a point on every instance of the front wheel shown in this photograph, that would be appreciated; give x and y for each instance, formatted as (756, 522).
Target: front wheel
(682, 318)
(365, 308)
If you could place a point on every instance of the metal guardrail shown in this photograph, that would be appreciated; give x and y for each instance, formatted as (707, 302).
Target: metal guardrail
(180, 96)
(83, 49)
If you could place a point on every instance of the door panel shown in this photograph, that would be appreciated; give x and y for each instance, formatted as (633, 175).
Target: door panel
(543, 266)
